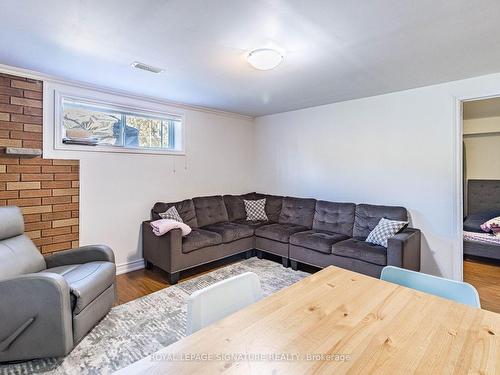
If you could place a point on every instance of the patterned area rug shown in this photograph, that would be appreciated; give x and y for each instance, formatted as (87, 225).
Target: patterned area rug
(138, 328)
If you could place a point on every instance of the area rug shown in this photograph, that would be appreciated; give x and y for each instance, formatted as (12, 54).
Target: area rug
(141, 327)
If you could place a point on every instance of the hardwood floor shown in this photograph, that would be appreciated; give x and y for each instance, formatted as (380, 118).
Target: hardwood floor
(484, 276)
(142, 282)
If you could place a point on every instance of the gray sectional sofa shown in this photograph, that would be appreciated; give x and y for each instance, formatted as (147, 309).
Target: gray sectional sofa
(299, 230)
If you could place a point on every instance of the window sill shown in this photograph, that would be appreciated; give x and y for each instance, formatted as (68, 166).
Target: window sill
(113, 150)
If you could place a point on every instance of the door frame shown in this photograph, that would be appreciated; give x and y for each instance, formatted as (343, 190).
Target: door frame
(457, 184)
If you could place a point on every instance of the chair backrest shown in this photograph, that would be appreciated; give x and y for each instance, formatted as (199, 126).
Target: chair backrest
(438, 286)
(18, 254)
(221, 299)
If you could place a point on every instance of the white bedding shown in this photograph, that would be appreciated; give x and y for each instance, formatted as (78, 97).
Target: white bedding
(482, 237)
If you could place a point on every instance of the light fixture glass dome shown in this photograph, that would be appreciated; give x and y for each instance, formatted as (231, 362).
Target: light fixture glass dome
(264, 58)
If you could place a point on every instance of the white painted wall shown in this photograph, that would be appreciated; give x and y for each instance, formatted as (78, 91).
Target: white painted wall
(482, 148)
(117, 190)
(395, 149)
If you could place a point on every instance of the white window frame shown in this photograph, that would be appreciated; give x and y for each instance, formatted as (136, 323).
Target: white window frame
(60, 95)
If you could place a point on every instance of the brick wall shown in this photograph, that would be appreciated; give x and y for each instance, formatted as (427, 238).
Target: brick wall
(46, 190)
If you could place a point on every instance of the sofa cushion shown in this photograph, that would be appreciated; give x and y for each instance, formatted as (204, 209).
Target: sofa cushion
(361, 250)
(334, 217)
(230, 231)
(235, 206)
(273, 207)
(200, 238)
(321, 241)
(185, 209)
(252, 224)
(368, 216)
(279, 232)
(210, 210)
(298, 211)
(256, 209)
(86, 281)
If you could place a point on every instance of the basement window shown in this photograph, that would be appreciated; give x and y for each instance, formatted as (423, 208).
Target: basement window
(95, 126)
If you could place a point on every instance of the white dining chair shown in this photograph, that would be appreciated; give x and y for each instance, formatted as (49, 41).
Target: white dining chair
(450, 289)
(221, 299)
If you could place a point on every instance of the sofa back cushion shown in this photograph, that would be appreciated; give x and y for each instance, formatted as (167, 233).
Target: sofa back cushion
(210, 210)
(368, 216)
(334, 217)
(235, 206)
(185, 209)
(273, 205)
(298, 211)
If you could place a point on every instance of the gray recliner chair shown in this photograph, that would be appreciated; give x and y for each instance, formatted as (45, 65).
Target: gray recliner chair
(47, 305)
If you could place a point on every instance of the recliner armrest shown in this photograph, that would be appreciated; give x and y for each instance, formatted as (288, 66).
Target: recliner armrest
(36, 317)
(403, 250)
(81, 255)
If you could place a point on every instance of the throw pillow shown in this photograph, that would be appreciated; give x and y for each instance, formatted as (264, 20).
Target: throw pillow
(384, 230)
(171, 213)
(256, 210)
(490, 224)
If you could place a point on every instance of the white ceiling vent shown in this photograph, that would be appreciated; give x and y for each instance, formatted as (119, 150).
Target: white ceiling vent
(146, 67)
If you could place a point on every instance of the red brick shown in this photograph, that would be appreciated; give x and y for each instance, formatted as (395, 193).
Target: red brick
(35, 193)
(24, 202)
(66, 176)
(31, 86)
(26, 119)
(37, 226)
(56, 200)
(36, 177)
(56, 184)
(65, 207)
(9, 177)
(33, 128)
(36, 161)
(8, 194)
(10, 91)
(23, 169)
(7, 125)
(32, 111)
(32, 218)
(56, 231)
(56, 247)
(56, 169)
(25, 102)
(33, 94)
(56, 216)
(11, 108)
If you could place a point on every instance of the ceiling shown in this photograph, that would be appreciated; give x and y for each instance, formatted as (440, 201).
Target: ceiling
(481, 108)
(334, 49)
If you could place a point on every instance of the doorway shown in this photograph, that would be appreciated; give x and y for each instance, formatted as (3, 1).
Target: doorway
(481, 198)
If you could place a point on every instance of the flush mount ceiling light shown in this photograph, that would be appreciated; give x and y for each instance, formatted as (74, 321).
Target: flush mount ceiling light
(146, 67)
(264, 58)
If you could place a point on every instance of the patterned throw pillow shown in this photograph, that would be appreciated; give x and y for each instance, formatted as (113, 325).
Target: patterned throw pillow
(384, 230)
(171, 213)
(491, 225)
(256, 210)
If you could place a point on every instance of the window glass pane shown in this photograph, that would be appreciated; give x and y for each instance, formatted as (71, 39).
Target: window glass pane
(144, 132)
(96, 122)
(87, 124)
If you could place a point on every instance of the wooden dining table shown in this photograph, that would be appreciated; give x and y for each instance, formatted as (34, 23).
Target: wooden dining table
(334, 322)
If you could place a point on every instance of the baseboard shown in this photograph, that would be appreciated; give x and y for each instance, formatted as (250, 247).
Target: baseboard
(129, 266)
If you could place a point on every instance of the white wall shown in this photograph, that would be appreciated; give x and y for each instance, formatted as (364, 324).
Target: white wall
(482, 148)
(117, 191)
(395, 149)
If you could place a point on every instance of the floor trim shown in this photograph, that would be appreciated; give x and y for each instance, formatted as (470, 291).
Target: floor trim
(129, 266)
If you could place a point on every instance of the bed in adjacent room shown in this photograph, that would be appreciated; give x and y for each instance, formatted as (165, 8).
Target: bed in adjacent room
(483, 204)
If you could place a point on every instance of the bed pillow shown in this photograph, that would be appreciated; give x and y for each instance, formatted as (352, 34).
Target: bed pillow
(384, 230)
(472, 223)
(492, 225)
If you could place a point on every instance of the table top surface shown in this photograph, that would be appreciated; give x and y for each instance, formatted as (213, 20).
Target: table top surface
(338, 321)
